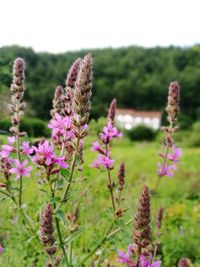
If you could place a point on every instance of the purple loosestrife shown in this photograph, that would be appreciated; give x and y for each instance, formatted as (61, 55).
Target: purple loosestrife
(17, 92)
(58, 101)
(159, 217)
(104, 159)
(81, 101)
(44, 156)
(142, 230)
(47, 230)
(170, 160)
(21, 169)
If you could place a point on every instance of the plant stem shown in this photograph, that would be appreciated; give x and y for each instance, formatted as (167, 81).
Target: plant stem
(104, 239)
(70, 175)
(57, 221)
(110, 185)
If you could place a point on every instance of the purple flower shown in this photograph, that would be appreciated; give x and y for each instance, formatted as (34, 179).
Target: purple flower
(45, 156)
(103, 161)
(165, 170)
(21, 169)
(26, 150)
(125, 258)
(7, 149)
(60, 125)
(96, 147)
(177, 152)
(146, 262)
(109, 132)
(1, 249)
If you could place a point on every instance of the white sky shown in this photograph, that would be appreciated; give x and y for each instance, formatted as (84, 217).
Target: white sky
(63, 25)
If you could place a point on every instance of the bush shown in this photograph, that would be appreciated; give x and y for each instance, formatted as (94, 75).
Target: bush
(141, 133)
(33, 126)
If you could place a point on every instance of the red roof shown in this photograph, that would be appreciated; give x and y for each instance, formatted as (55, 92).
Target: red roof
(138, 113)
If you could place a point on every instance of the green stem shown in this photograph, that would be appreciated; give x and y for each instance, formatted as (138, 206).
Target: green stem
(57, 221)
(70, 175)
(110, 184)
(102, 242)
(70, 253)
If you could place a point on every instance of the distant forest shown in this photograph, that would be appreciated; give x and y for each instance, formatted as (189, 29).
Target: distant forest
(137, 77)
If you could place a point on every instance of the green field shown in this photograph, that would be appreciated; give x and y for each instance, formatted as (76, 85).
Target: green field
(179, 196)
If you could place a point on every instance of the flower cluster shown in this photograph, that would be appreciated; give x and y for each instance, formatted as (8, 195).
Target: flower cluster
(104, 159)
(140, 252)
(126, 258)
(170, 163)
(170, 160)
(44, 156)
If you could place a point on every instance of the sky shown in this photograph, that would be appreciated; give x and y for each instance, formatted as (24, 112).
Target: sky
(68, 25)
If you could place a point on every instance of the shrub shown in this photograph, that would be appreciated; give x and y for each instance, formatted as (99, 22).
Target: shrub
(141, 133)
(33, 126)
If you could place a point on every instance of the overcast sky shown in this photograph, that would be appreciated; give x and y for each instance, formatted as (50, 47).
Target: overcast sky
(63, 25)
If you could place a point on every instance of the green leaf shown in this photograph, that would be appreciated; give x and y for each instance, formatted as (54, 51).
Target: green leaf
(64, 173)
(61, 216)
(60, 183)
(55, 199)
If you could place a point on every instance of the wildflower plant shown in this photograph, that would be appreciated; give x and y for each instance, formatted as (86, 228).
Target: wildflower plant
(60, 159)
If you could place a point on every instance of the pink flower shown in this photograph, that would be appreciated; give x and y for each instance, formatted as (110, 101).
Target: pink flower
(26, 150)
(60, 125)
(165, 170)
(177, 152)
(146, 262)
(7, 149)
(125, 258)
(45, 156)
(96, 147)
(20, 169)
(103, 161)
(109, 132)
(1, 249)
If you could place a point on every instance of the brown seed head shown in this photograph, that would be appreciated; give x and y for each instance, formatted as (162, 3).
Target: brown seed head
(112, 110)
(173, 101)
(142, 230)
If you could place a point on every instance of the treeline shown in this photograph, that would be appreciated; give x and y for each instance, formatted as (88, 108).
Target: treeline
(137, 77)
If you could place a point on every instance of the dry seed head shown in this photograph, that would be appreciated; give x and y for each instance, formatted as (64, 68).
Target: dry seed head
(112, 111)
(121, 175)
(173, 101)
(58, 101)
(73, 73)
(47, 229)
(159, 217)
(142, 230)
(82, 93)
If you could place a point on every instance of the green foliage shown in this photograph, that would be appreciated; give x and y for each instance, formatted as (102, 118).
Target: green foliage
(95, 127)
(141, 133)
(138, 78)
(33, 126)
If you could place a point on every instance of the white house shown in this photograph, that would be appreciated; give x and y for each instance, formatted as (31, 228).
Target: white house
(129, 118)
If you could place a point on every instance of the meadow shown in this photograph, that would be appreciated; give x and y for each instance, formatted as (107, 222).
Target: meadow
(179, 197)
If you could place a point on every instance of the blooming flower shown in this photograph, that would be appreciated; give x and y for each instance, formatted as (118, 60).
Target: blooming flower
(60, 125)
(165, 170)
(45, 156)
(177, 152)
(103, 161)
(26, 150)
(21, 169)
(146, 262)
(7, 149)
(125, 258)
(109, 132)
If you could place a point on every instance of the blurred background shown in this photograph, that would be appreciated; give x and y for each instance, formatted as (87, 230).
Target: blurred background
(138, 47)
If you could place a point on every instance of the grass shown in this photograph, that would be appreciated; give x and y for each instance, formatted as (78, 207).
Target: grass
(179, 196)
